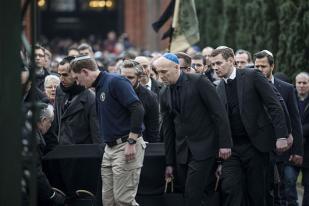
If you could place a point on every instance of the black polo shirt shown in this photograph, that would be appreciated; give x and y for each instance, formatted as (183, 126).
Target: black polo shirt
(114, 94)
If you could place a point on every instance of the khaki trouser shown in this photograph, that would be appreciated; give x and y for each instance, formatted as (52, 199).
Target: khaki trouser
(120, 177)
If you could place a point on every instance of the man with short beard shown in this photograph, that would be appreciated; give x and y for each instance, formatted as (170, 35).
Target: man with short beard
(287, 163)
(132, 70)
(199, 63)
(75, 112)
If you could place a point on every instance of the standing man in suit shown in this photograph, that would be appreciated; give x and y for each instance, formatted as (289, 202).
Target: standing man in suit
(195, 128)
(302, 87)
(288, 162)
(245, 94)
(243, 59)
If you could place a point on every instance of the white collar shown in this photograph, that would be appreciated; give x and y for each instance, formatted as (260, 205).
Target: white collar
(149, 83)
(232, 75)
(272, 79)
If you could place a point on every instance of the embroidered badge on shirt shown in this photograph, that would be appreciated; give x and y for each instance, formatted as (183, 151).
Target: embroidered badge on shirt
(102, 97)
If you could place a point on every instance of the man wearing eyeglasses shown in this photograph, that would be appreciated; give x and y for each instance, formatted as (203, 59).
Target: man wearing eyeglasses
(185, 62)
(200, 65)
(40, 71)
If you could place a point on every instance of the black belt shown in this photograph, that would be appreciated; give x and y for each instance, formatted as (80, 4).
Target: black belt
(119, 140)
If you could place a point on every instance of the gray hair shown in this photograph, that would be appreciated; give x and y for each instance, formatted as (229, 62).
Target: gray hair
(302, 74)
(132, 64)
(50, 78)
(45, 111)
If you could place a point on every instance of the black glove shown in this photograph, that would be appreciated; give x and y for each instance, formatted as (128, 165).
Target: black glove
(57, 198)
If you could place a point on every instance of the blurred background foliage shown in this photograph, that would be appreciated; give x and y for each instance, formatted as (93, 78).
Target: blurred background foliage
(280, 26)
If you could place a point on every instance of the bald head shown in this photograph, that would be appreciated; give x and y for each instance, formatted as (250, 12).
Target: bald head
(145, 63)
(167, 69)
(162, 61)
(142, 60)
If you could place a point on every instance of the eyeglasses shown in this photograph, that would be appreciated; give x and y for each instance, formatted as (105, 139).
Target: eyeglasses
(185, 68)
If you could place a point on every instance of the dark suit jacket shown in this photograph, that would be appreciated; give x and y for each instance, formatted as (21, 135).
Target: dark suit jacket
(156, 86)
(305, 124)
(255, 92)
(202, 127)
(151, 118)
(40, 79)
(284, 107)
(288, 93)
(36, 94)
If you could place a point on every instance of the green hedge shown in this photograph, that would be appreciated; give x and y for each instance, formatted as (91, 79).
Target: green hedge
(281, 26)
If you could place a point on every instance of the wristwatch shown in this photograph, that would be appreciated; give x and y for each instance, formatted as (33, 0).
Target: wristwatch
(131, 141)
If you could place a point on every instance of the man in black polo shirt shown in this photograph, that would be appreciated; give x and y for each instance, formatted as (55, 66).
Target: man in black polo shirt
(120, 114)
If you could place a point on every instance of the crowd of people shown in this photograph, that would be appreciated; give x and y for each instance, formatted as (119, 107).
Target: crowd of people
(222, 116)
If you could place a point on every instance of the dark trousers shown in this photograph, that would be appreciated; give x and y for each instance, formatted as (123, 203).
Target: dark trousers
(197, 178)
(244, 177)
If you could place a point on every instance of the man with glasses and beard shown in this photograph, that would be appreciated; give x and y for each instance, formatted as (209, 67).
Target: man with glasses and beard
(185, 62)
(201, 65)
